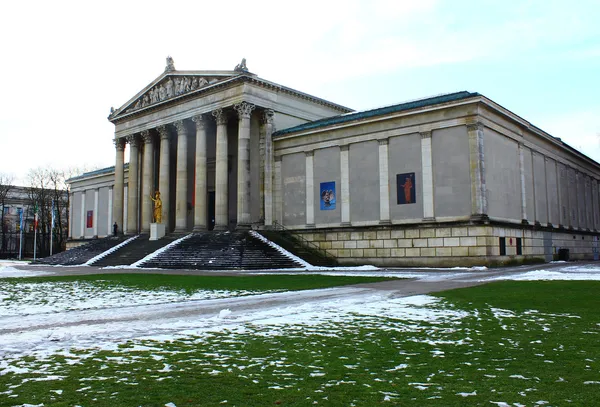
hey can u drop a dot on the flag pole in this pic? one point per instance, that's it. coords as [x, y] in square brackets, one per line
[52, 228]
[20, 234]
[35, 224]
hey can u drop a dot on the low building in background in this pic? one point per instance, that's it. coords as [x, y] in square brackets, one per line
[23, 202]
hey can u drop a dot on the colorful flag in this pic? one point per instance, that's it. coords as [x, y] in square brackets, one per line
[35, 217]
[52, 224]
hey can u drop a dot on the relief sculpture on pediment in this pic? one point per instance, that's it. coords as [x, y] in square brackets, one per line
[169, 88]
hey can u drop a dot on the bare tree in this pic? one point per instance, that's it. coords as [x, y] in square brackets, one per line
[6, 184]
[48, 192]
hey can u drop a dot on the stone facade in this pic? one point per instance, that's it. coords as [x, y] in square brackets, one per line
[450, 245]
[449, 180]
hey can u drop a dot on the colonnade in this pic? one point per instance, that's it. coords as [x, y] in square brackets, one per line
[142, 175]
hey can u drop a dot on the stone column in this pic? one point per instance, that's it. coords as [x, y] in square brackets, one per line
[268, 170]
[96, 217]
[119, 184]
[83, 223]
[200, 210]
[164, 186]
[221, 176]
[244, 111]
[384, 184]
[133, 186]
[427, 174]
[110, 213]
[310, 190]
[345, 183]
[523, 185]
[477, 165]
[148, 181]
[181, 190]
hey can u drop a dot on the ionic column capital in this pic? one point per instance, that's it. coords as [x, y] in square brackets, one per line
[345, 147]
[244, 109]
[383, 141]
[163, 132]
[220, 116]
[425, 134]
[133, 140]
[119, 144]
[310, 153]
[200, 121]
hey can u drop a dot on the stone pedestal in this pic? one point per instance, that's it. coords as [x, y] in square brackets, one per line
[157, 230]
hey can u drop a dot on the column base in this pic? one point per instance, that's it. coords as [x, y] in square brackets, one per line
[200, 228]
[220, 228]
[243, 226]
[385, 222]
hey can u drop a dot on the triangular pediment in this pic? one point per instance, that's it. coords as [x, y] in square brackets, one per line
[170, 86]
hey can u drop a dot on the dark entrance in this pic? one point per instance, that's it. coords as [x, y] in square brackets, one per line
[211, 210]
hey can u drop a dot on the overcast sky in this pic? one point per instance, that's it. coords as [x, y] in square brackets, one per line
[63, 63]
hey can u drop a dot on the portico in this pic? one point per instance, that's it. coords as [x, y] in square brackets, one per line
[204, 140]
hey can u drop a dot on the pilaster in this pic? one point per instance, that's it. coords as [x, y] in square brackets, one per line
[477, 169]
[523, 185]
[83, 223]
[268, 172]
[384, 184]
[310, 190]
[427, 175]
[96, 217]
[277, 198]
[345, 183]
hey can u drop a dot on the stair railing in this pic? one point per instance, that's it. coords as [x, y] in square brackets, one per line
[304, 242]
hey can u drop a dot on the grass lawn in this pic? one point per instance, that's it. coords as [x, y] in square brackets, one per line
[507, 343]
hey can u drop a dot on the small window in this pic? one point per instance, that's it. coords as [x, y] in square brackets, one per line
[519, 246]
[502, 246]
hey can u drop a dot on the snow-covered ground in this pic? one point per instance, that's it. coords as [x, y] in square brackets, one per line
[43, 319]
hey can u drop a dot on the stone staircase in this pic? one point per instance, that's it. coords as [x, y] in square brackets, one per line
[133, 251]
[302, 249]
[221, 251]
[81, 254]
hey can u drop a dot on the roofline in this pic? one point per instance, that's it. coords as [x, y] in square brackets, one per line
[95, 173]
[366, 114]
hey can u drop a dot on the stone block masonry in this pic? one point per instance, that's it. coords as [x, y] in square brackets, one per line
[449, 246]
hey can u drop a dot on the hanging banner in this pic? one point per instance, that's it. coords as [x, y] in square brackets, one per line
[406, 188]
[90, 219]
[327, 196]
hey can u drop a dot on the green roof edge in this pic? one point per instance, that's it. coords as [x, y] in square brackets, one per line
[348, 117]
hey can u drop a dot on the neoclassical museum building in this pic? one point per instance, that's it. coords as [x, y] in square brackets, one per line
[454, 179]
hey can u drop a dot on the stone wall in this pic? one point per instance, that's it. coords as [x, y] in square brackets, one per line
[447, 246]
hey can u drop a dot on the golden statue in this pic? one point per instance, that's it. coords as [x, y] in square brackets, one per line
[157, 214]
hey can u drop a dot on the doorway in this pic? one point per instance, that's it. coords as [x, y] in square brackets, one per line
[211, 210]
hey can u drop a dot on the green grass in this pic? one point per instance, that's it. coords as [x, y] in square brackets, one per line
[194, 283]
[515, 342]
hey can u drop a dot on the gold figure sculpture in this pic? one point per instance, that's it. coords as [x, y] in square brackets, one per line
[157, 214]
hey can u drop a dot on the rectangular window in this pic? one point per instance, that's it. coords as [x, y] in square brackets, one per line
[6, 210]
[519, 246]
[502, 246]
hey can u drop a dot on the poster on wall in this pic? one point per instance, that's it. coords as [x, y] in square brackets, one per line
[90, 219]
[406, 188]
[327, 195]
